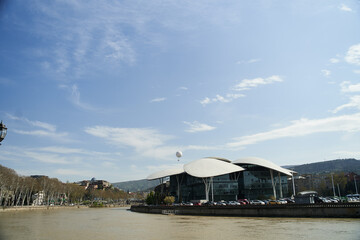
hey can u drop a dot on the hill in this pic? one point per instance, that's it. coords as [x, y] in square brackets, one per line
[136, 186]
[338, 165]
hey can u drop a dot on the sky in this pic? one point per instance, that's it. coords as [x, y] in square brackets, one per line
[113, 89]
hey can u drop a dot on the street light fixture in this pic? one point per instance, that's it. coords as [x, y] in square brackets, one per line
[3, 131]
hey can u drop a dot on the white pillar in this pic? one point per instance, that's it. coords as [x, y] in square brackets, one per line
[280, 186]
[212, 188]
[355, 185]
[207, 188]
[293, 182]
[178, 187]
[332, 180]
[272, 182]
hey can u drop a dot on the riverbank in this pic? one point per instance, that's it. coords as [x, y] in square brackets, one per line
[340, 210]
[44, 207]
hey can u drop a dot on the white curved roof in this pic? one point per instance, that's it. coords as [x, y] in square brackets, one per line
[262, 162]
[165, 173]
[210, 167]
[222, 159]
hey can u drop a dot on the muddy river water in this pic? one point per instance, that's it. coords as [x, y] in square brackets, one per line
[120, 223]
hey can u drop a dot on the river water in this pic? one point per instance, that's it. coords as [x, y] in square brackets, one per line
[119, 223]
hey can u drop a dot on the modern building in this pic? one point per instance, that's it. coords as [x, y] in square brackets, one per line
[215, 179]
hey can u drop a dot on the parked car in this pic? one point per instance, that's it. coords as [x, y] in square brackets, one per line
[273, 202]
[233, 203]
[282, 201]
[243, 201]
[257, 202]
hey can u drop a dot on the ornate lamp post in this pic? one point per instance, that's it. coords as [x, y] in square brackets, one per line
[3, 131]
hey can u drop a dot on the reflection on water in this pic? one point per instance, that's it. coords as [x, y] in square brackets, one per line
[118, 223]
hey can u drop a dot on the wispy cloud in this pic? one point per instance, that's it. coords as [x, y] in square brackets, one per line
[195, 126]
[326, 72]
[77, 172]
[353, 103]
[302, 127]
[347, 87]
[334, 60]
[74, 97]
[345, 8]
[353, 55]
[254, 60]
[183, 88]
[348, 154]
[138, 138]
[47, 158]
[218, 98]
[247, 84]
[158, 99]
[46, 129]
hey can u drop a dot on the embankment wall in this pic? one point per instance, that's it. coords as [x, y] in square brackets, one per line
[290, 210]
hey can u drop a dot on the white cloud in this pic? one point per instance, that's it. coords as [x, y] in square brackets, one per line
[47, 158]
[345, 8]
[354, 103]
[334, 60]
[346, 154]
[183, 88]
[348, 87]
[302, 127]
[139, 138]
[357, 71]
[218, 98]
[47, 129]
[195, 126]
[254, 60]
[74, 172]
[158, 99]
[353, 55]
[247, 84]
[44, 125]
[42, 133]
[326, 73]
[75, 97]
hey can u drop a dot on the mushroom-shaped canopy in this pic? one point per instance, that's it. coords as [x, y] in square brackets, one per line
[263, 163]
[210, 167]
[165, 173]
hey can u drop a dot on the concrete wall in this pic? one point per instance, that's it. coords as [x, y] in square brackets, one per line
[290, 210]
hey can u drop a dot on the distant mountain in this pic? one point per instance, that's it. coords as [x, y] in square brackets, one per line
[136, 186]
[338, 165]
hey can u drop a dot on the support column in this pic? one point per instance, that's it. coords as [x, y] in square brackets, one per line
[272, 182]
[293, 182]
[281, 193]
[355, 185]
[178, 187]
[207, 187]
[332, 180]
[212, 188]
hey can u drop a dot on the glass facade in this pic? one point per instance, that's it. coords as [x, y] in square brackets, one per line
[254, 183]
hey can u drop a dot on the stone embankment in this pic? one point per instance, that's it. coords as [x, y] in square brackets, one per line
[44, 207]
[340, 210]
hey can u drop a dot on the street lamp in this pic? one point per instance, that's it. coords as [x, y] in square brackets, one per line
[3, 131]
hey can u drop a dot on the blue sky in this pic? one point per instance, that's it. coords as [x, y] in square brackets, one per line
[113, 89]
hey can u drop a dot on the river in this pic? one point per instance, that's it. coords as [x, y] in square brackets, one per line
[119, 223]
